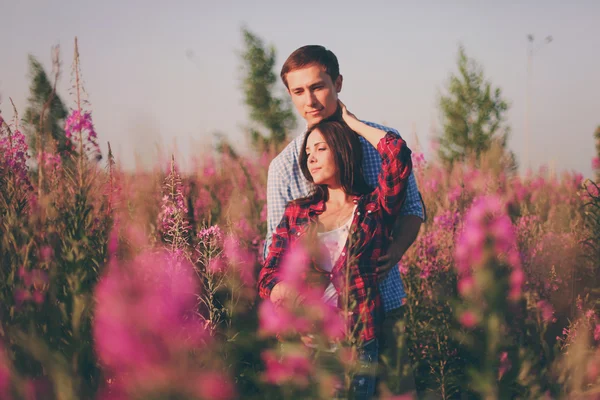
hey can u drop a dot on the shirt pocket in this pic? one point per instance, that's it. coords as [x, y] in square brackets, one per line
[297, 230]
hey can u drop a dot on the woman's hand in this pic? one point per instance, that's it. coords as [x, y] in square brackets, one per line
[371, 134]
[349, 118]
[284, 293]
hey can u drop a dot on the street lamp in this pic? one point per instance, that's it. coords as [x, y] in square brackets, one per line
[531, 50]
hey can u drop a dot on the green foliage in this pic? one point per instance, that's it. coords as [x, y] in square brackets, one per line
[43, 98]
[473, 113]
[270, 112]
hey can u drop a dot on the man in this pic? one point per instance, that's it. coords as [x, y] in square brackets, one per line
[311, 76]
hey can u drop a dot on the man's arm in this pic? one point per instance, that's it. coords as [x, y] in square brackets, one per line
[405, 232]
[412, 213]
[407, 225]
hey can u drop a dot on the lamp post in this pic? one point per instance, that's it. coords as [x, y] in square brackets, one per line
[531, 50]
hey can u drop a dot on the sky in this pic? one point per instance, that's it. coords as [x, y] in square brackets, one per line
[166, 75]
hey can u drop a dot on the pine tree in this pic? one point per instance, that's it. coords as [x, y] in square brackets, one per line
[473, 113]
[272, 113]
[43, 98]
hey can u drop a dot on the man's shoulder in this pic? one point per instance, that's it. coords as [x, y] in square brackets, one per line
[382, 127]
[286, 157]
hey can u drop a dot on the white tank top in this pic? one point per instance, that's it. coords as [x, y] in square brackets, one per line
[333, 242]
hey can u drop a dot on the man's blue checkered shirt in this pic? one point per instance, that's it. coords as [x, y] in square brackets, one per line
[286, 183]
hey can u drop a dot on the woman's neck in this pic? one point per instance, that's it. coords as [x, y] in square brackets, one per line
[338, 197]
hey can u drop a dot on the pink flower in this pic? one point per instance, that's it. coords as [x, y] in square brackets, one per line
[14, 156]
[596, 163]
[517, 277]
[145, 315]
[468, 319]
[38, 297]
[46, 253]
[217, 265]
[294, 368]
[210, 234]
[454, 195]
[597, 333]
[81, 124]
[240, 259]
[486, 222]
[21, 296]
[465, 286]
[214, 386]
[505, 364]
[294, 266]
[273, 320]
[546, 309]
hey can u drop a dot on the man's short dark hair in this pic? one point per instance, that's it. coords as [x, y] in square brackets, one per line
[311, 55]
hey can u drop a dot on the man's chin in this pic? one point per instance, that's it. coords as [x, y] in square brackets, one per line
[314, 119]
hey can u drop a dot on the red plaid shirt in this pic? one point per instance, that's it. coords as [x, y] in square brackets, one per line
[368, 239]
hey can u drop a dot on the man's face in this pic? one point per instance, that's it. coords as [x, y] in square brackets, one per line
[313, 93]
[320, 161]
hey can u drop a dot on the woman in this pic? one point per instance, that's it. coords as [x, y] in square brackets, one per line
[342, 203]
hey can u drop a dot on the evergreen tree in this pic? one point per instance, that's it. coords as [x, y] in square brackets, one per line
[272, 113]
[473, 113]
[43, 97]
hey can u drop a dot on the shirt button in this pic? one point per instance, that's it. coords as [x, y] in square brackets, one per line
[297, 233]
[343, 253]
[369, 212]
[358, 213]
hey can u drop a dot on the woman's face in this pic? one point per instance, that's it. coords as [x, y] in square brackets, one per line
[320, 161]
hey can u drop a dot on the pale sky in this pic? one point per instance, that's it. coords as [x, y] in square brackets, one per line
[395, 56]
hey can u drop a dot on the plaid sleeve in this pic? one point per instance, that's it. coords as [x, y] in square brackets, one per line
[268, 276]
[412, 205]
[396, 168]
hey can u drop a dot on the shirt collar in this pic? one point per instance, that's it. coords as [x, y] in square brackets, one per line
[319, 206]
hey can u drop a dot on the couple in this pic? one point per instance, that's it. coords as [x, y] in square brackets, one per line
[343, 175]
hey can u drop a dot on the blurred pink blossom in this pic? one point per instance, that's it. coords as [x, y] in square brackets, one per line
[468, 319]
[145, 315]
[240, 259]
[214, 386]
[46, 253]
[487, 222]
[505, 364]
[274, 320]
[294, 368]
[546, 309]
[465, 286]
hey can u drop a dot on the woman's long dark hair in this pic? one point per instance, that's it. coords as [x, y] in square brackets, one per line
[347, 155]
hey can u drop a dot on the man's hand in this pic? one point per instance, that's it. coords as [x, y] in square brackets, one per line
[385, 264]
[405, 232]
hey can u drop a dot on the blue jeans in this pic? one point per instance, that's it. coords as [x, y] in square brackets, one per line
[363, 383]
